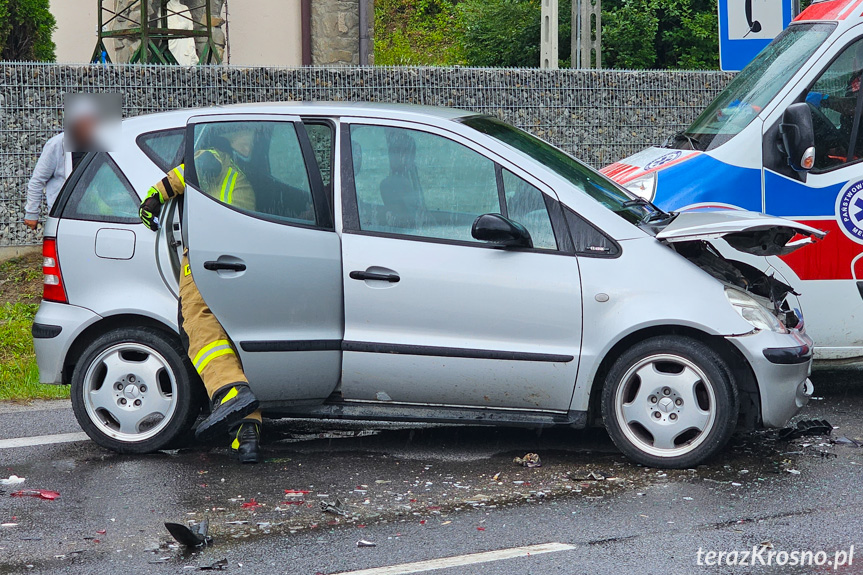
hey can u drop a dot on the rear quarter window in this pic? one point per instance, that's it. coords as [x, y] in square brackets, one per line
[102, 194]
[164, 147]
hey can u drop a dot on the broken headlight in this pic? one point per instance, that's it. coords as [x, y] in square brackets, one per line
[643, 186]
[753, 312]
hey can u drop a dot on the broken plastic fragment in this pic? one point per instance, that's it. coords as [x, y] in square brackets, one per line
[39, 493]
[219, 565]
[251, 504]
[529, 460]
[364, 543]
[335, 508]
[12, 480]
[196, 537]
[806, 428]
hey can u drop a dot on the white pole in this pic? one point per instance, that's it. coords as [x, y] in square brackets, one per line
[548, 35]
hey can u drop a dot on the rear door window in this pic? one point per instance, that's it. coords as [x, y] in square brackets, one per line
[102, 194]
[164, 147]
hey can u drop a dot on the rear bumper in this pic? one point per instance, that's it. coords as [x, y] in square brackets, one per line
[781, 364]
[63, 323]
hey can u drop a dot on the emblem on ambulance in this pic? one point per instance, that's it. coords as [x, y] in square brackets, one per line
[663, 159]
[849, 210]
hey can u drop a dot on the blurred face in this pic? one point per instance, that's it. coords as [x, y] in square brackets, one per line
[84, 132]
[242, 141]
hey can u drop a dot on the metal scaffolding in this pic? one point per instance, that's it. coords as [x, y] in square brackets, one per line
[152, 32]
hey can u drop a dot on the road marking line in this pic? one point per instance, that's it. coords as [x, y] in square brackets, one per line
[461, 560]
[43, 440]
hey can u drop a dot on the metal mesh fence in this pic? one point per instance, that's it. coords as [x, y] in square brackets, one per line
[599, 116]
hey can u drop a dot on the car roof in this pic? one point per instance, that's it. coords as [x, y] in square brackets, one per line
[846, 12]
[164, 120]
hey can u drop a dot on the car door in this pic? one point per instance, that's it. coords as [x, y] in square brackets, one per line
[829, 198]
[271, 272]
[433, 316]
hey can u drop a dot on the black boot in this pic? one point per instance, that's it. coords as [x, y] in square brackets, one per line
[247, 439]
[230, 407]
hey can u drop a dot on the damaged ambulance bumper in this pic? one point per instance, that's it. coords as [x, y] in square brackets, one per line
[782, 363]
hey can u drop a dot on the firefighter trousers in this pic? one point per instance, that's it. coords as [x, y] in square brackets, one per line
[212, 353]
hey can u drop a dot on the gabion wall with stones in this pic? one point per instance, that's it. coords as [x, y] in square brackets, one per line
[599, 116]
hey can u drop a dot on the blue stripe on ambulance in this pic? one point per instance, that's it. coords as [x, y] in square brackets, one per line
[704, 179]
[787, 197]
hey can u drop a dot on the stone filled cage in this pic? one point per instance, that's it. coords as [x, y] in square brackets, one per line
[600, 116]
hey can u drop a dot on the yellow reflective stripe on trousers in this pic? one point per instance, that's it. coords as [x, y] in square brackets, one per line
[218, 352]
[205, 351]
[225, 185]
[231, 188]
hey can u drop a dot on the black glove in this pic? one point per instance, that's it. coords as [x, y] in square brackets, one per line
[149, 211]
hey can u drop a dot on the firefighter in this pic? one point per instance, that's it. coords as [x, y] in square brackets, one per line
[234, 406]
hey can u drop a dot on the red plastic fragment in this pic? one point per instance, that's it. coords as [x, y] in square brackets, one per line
[251, 504]
[296, 492]
[102, 531]
[480, 528]
[40, 493]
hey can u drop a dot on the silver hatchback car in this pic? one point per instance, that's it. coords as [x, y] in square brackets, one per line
[416, 264]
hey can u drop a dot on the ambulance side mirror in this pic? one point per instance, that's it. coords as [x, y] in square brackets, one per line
[798, 137]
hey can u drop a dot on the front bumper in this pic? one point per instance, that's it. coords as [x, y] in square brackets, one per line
[56, 327]
[781, 364]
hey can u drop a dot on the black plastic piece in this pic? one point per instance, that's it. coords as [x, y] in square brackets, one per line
[188, 537]
[806, 428]
[45, 331]
[788, 355]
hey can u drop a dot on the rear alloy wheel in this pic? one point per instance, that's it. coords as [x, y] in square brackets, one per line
[131, 391]
[669, 402]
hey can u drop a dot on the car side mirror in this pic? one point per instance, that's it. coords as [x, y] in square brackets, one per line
[499, 230]
[798, 137]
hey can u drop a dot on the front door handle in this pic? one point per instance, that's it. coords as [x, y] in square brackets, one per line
[231, 266]
[358, 275]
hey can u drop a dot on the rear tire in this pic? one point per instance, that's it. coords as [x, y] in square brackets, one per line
[670, 402]
[133, 390]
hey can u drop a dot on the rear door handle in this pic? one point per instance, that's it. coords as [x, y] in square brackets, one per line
[217, 265]
[358, 275]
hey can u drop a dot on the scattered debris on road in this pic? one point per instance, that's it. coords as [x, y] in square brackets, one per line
[38, 493]
[846, 441]
[529, 460]
[219, 565]
[12, 480]
[364, 543]
[336, 508]
[806, 428]
[188, 537]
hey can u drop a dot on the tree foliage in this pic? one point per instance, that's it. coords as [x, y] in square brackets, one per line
[417, 32]
[26, 27]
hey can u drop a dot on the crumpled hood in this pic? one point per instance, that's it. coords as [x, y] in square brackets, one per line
[748, 232]
[644, 162]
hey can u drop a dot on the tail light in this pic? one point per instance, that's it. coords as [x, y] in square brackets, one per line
[52, 289]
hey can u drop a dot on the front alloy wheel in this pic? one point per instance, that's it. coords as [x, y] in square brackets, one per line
[669, 402]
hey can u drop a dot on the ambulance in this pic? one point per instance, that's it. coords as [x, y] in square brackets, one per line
[784, 138]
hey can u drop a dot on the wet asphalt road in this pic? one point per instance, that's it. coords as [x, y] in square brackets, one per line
[422, 493]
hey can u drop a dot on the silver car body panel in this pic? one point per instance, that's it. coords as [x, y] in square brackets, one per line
[537, 310]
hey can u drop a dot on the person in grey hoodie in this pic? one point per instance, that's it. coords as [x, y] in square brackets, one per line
[47, 179]
[50, 172]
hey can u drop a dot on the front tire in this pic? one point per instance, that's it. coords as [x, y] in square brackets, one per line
[670, 402]
[132, 391]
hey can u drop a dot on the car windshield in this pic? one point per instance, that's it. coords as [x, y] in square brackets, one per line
[628, 206]
[753, 88]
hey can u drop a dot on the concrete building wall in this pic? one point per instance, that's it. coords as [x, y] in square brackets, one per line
[261, 32]
[265, 32]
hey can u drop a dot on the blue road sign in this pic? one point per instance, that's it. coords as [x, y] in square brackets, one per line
[747, 26]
